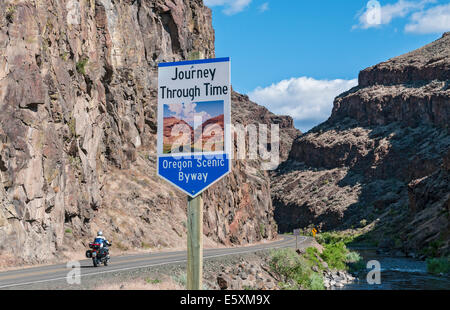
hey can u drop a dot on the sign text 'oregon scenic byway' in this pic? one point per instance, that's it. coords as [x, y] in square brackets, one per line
[194, 136]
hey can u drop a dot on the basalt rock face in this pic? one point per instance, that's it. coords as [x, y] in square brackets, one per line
[78, 83]
[425, 64]
[411, 89]
[238, 209]
[378, 160]
[429, 202]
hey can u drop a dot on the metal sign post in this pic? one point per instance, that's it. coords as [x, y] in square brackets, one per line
[194, 139]
[296, 234]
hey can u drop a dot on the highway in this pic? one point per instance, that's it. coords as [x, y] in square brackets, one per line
[44, 274]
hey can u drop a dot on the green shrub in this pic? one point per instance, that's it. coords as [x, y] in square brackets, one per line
[285, 262]
[152, 281]
[81, 65]
[194, 55]
[438, 265]
[312, 255]
[298, 269]
[73, 126]
[368, 239]
[353, 257]
[10, 11]
[433, 248]
[65, 56]
[335, 254]
[334, 237]
[398, 243]
[357, 267]
[262, 229]
[316, 282]
[292, 267]
[355, 262]
[145, 245]
[181, 279]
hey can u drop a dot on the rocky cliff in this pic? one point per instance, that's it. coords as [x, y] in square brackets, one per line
[239, 208]
[378, 161]
[77, 130]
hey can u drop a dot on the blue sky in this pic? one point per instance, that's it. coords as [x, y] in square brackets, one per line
[295, 56]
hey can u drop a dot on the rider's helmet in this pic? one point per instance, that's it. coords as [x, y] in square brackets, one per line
[100, 233]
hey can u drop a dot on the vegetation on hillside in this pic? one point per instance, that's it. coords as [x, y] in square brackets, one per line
[305, 270]
[439, 266]
[295, 270]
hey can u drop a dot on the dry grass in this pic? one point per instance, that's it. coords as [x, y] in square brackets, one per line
[6, 261]
[74, 255]
[143, 284]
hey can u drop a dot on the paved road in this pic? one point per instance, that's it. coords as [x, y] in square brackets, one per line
[36, 275]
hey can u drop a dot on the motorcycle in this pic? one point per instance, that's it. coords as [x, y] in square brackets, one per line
[98, 253]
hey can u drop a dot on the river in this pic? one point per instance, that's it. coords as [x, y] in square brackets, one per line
[399, 273]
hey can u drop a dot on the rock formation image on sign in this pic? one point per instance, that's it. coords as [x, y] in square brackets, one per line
[193, 127]
[380, 162]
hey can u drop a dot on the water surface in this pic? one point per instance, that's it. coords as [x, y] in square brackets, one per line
[399, 273]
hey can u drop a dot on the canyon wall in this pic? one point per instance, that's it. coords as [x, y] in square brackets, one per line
[78, 86]
[378, 161]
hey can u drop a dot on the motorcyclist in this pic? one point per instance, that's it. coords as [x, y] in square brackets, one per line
[104, 244]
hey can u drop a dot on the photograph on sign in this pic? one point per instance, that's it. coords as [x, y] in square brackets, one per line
[194, 121]
[194, 139]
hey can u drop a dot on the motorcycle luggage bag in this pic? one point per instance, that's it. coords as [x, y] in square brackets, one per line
[89, 253]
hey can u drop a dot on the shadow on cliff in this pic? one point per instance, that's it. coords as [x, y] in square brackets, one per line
[397, 155]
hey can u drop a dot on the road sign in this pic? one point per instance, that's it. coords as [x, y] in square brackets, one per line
[194, 135]
[296, 233]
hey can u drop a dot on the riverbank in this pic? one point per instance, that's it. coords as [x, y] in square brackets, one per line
[326, 264]
[397, 273]
[398, 270]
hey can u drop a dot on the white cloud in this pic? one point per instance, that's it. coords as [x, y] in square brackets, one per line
[307, 100]
[187, 112]
[400, 9]
[231, 6]
[264, 7]
[435, 19]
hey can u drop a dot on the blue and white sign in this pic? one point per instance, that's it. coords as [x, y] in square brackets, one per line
[194, 123]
